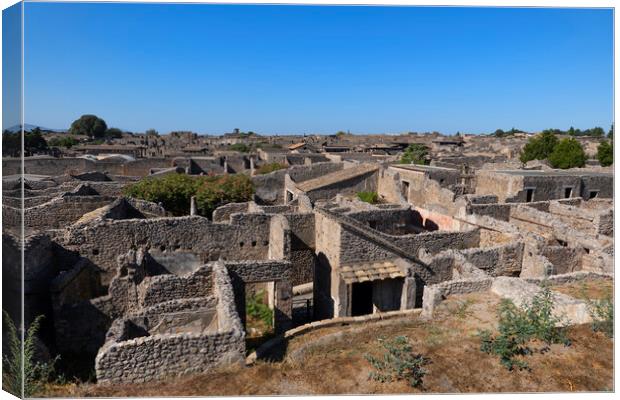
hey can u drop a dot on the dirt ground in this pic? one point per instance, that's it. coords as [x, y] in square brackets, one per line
[331, 361]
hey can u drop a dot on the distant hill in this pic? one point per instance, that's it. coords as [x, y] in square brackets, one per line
[29, 127]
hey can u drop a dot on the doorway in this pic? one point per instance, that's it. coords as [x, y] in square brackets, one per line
[361, 298]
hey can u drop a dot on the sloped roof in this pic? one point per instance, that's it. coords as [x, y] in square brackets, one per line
[371, 271]
[337, 176]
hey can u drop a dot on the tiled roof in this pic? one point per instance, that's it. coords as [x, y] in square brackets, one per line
[370, 271]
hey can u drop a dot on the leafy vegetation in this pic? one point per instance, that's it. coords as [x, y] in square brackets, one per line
[519, 327]
[567, 154]
[89, 125]
[241, 147]
[64, 141]
[151, 132]
[368, 197]
[539, 147]
[174, 191]
[399, 362]
[19, 365]
[267, 168]
[605, 153]
[501, 133]
[113, 133]
[215, 191]
[415, 153]
[602, 313]
[597, 131]
[256, 309]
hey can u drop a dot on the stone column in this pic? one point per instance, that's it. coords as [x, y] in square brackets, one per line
[252, 166]
[192, 206]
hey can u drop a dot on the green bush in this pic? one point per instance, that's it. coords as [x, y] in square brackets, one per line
[257, 309]
[518, 327]
[602, 313]
[368, 197]
[398, 363]
[605, 154]
[215, 191]
[174, 191]
[241, 147]
[267, 168]
[65, 141]
[539, 147]
[19, 365]
[415, 153]
[567, 154]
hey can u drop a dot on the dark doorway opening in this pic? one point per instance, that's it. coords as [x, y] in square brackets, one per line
[529, 195]
[568, 192]
[361, 298]
[593, 194]
[405, 190]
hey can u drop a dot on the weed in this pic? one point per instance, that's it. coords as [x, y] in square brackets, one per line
[368, 197]
[602, 313]
[462, 310]
[399, 362]
[19, 365]
[257, 309]
[518, 327]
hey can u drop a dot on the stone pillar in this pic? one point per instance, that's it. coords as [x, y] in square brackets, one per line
[283, 310]
[192, 206]
[252, 166]
[225, 165]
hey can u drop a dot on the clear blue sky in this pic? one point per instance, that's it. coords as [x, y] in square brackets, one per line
[314, 69]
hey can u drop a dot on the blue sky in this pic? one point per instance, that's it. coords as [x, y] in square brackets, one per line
[314, 69]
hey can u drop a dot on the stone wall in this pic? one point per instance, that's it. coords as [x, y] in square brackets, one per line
[167, 355]
[63, 211]
[245, 238]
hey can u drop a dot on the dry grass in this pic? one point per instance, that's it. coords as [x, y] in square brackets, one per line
[595, 289]
[338, 367]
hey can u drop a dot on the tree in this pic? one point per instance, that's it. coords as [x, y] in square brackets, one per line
[597, 132]
[66, 141]
[415, 153]
[610, 134]
[174, 191]
[571, 131]
[539, 147]
[114, 133]
[567, 154]
[11, 143]
[605, 154]
[499, 133]
[151, 132]
[89, 125]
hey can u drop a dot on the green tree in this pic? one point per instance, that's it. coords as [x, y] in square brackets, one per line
[571, 131]
[605, 154]
[610, 134]
[114, 133]
[215, 191]
[539, 147]
[415, 153]
[241, 147]
[89, 125]
[568, 153]
[597, 132]
[151, 132]
[11, 143]
[65, 141]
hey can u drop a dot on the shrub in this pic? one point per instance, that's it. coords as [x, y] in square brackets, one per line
[241, 147]
[567, 154]
[34, 374]
[215, 191]
[368, 197]
[415, 153]
[267, 168]
[89, 125]
[174, 191]
[518, 327]
[66, 141]
[605, 154]
[398, 363]
[539, 147]
[257, 309]
[602, 313]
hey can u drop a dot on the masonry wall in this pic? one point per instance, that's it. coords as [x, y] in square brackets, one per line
[364, 183]
[246, 238]
[63, 211]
